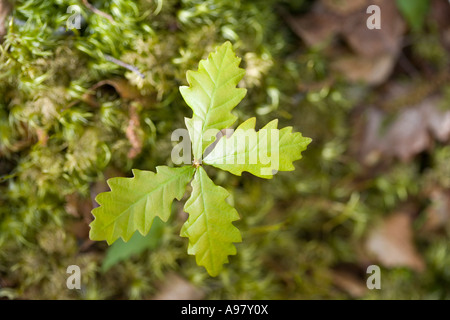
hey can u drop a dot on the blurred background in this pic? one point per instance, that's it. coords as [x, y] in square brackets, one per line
[373, 188]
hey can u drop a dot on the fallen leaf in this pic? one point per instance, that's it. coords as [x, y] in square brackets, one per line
[345, 7]
[439, 13]
[392, 243]
[77, 206]
[439, 123]
[316, 27]
[124, 88]
[411, 131]
[79, 229]
[372, 71]
[134, 132]
[407, 136]
[375, 42]
[370, 55]
[5, 9]
[438, 212]
[175, 287]
[366, 136]
[349, 283]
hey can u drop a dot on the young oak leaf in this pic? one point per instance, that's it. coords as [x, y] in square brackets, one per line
[212, 95]
[209, 226]
[261, 153]
[133, 203]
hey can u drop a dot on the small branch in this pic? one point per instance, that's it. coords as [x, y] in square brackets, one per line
[100, 13]
[8, 176]
[125, 65]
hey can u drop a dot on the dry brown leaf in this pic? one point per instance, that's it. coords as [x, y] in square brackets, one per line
[371, 54]
[329, 18]
[410, 133]
[127, 92]
[440, 13]
[407, 136]
[391, 243]
[439, 123]
[345, 7]
[121, 86]
[438, 213]
[315, 28]
[318, 27]
[5, 9]
[78, 206]
[373, 71]
[134, 132]
[376, 42]
[79, 229]
[446, 38]
[349, 283]
[366, 136]
[175, 287]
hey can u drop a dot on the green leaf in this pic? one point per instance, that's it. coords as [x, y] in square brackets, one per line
[209, 226]
[212, 95]
[133, 203]
[261, 153]
[414, 12]
[120, 251]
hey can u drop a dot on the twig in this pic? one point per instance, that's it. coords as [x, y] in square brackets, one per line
[125, 65]
[8, 176]
[99, 12]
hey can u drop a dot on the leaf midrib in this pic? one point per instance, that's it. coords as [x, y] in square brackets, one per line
[141, 198]
[245, 152]
[207, 111]
[206, 219]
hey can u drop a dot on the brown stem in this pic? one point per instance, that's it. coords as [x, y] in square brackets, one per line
[124, 65]
[100, 13]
